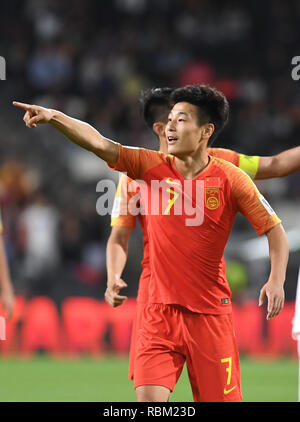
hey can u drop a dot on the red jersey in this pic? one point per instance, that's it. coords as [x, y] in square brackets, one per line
[121, 218]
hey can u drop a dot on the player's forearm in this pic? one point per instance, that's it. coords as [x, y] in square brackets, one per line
[279, 165]
[116, 254]
[116, 258]
[79, 132]
[288, 161]
[279, 254]
[85, 136]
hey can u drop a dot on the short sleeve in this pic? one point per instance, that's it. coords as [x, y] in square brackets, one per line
[251, 203]
[248, 163]
[120, 216]
[137, 161]
[226, 154]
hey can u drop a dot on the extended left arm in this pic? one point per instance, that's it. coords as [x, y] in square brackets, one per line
[273, 289]
[79, 132]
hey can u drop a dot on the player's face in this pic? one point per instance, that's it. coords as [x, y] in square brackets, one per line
[183, 132]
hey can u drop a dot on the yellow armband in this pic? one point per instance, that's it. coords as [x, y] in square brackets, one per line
[249, 163]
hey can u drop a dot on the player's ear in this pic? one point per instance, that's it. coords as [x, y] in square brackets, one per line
[159, 128]
[209, 129]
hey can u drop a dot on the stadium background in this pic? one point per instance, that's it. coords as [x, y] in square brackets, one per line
[91, 59]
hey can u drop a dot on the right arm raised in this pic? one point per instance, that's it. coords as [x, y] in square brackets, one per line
[79, 132]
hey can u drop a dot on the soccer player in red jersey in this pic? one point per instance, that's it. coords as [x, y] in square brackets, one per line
[188, 315]
[155, 107]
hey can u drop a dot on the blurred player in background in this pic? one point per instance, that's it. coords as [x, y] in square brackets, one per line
[6, 289]
[188, 315]
[155, 109]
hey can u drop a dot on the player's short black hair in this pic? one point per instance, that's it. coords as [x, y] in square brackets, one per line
[155, 104]
[212, 104]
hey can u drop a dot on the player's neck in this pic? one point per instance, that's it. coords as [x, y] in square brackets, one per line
[191, 166]
[163, 147]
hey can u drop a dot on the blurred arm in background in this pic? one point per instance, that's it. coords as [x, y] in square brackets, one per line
[279, 165]
[6, 289]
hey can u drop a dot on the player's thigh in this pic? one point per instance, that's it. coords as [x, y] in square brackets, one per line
[213, 359]
[152, 393]
[137, 323]
[158, 357]
[157, 365]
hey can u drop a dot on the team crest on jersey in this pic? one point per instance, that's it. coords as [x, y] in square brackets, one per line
[212, 198]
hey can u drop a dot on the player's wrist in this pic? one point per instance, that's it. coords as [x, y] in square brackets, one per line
[111, 280]
[54, 115]
[276, 281]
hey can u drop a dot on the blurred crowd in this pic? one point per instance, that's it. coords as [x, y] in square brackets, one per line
[91, 60]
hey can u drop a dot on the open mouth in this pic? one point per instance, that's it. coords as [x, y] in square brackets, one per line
[172, 140]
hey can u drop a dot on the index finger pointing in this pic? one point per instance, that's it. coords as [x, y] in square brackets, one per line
[21, 105]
